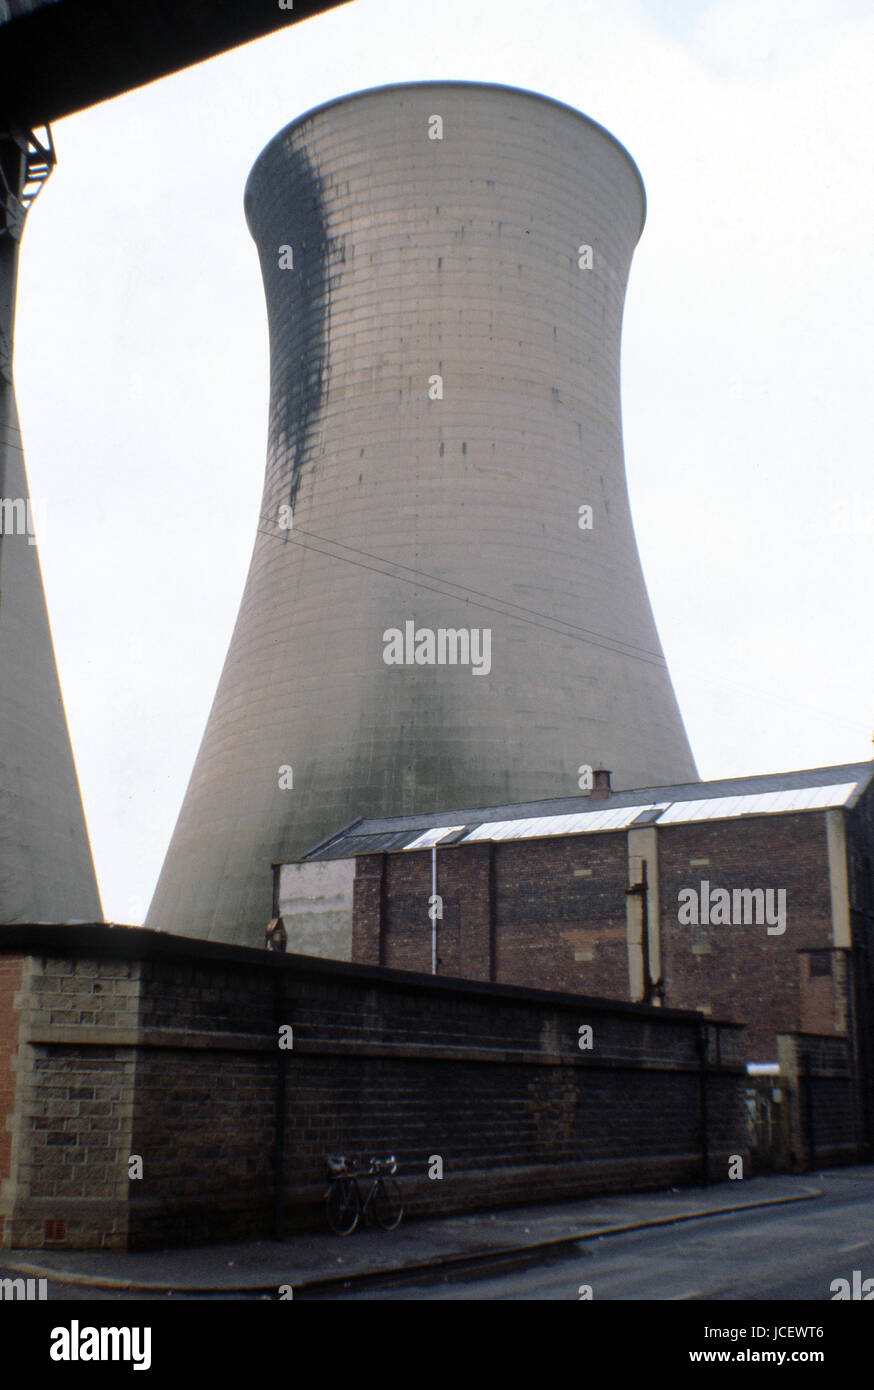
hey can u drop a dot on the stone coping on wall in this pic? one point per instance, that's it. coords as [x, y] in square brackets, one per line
[106, 940]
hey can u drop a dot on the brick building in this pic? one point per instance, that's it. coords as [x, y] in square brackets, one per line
[749, 898]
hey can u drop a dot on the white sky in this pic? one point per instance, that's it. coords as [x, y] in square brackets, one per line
[142, 368]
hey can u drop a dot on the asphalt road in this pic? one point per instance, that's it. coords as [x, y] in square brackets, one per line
[790, 1252]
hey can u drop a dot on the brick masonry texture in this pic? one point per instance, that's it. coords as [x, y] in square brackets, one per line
[73, 1099]
[742, 972]
[551, 914]
[414, 257]
[137, 1044]
[10, 983]
[825, 1102]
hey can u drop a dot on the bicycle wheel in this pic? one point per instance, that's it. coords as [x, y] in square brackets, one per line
[343, 1206]
[387, 1206]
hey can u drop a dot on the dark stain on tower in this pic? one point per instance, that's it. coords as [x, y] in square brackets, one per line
[292, 216]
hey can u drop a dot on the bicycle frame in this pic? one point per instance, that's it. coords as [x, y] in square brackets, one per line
[379, 1170]
[356, 1175]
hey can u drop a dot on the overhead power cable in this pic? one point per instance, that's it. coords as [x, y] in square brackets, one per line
[467, 595]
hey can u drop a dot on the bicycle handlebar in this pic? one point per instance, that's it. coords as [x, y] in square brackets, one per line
[337, 1164]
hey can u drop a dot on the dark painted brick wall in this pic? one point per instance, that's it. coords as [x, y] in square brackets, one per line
[10, 982]
[139, 1044]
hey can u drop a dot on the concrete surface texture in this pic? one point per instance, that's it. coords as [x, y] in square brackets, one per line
[444, 402]
[316, 906]
[46, 869]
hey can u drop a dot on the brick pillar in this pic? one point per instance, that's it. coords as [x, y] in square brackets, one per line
[10, 984]
[367, 909]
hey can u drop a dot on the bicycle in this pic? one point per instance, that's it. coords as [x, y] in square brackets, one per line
[343, 1202]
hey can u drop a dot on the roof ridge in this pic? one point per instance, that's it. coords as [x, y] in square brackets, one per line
[855, 776]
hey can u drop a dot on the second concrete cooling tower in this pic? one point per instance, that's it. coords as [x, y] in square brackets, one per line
[445, 605]
[46, 869]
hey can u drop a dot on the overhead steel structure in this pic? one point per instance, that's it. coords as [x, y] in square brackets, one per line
[56, 57]
[445, 604]
[59, 56]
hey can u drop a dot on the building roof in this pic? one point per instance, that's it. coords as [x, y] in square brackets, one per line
[810, 789]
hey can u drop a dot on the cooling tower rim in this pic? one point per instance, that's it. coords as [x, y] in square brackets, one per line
[434, 84]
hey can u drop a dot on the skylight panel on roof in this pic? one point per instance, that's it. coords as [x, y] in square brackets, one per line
[486, 831]
[577, 823]
[433, 837]
[758, 803]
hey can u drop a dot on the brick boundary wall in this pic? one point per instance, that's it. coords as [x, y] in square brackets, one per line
[10, 984]
[825, 1103]
[134, 1043]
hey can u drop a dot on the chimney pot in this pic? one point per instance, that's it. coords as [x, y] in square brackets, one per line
[602, 785]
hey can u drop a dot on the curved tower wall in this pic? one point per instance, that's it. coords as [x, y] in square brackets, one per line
[414, 257]
[46, 869]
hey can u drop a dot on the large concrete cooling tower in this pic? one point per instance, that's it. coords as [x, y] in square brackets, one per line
[46, 870]
[445, 268]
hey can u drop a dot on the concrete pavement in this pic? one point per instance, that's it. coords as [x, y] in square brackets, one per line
[315, 1262]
